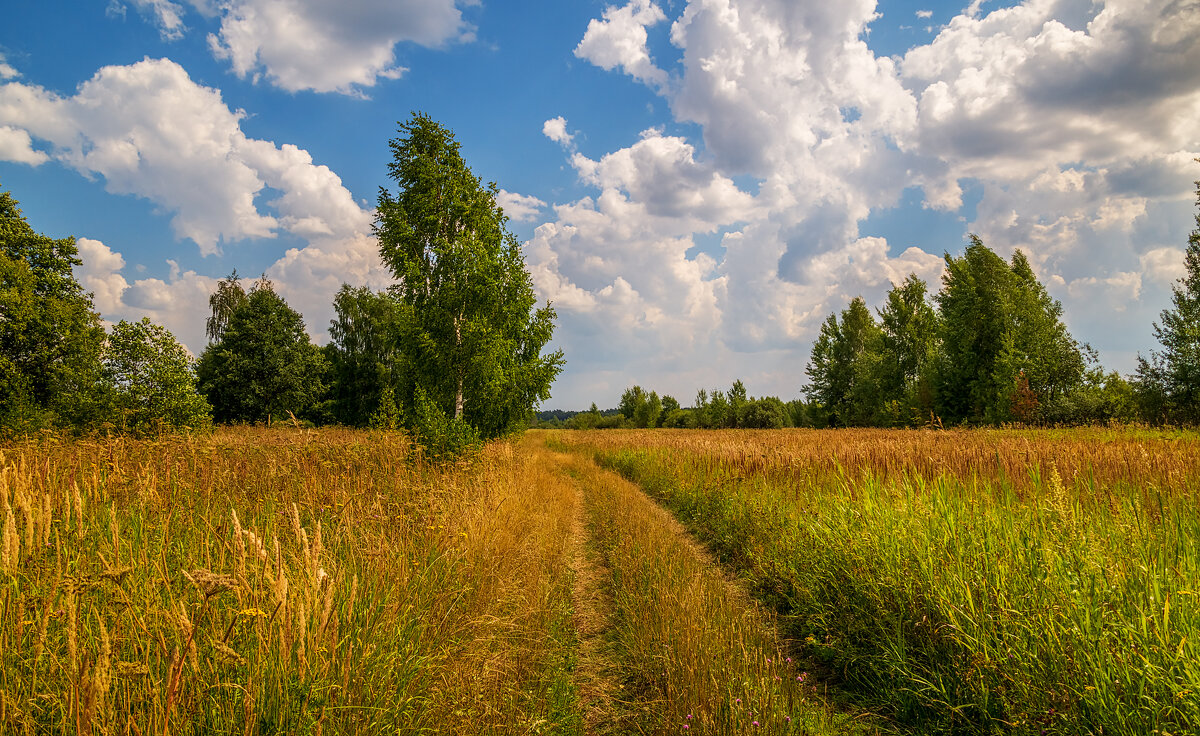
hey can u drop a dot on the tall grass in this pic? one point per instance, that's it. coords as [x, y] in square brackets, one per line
[268, 581]
[692, 653]
[996, 597]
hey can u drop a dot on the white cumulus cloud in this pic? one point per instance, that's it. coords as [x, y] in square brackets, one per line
[327, 47]
[1076, 122]
[556, 130]
[519, 207]
[148, 130]
[619, 39]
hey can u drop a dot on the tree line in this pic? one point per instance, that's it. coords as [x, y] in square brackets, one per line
[452, 352]
[989, 348]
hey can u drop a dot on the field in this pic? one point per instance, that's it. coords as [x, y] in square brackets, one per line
[257, 581]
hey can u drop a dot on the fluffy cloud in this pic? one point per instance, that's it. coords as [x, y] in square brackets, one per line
[327, 47]
[17, 146]
[519, 207]
[1076, 119]
[7, 71]
[556, 130]
[619, 39]
[148, 130]
[167, 15]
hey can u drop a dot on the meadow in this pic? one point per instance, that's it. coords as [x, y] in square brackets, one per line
[284, 580]
[985, 581]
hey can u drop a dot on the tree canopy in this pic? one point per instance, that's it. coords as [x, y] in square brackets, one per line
[470, 335]
[151, 379]
[50, 336]
[264, 365]
[1169, 380]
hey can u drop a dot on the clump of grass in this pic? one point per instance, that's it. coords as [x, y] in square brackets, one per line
[958, 602]
[275, 581]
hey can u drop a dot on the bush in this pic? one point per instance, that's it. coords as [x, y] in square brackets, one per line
[441, 437]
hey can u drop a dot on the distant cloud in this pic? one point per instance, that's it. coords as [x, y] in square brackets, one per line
[556, 130]
[17, 146]
[519, 207]
[7, 71]
[924, 13]
[148, 130]
[327, 47]
[619, 39]
[1079, 130]
[167, 15]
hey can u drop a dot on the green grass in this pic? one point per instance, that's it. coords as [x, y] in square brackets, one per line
[952, 605]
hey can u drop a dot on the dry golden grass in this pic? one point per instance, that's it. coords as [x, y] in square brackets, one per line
[263, 581]
[1088, 460]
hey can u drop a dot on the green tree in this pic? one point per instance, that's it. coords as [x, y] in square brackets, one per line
[264, 365]
[907, 351]
[1003, 343]
[639, 407]
[470, 334]
[737, 404]
[1169, 382]
[223, 302]
[50, 337]
[841, 364]
[669, 404]
[768, 412]
[363, 354]
[151, 379]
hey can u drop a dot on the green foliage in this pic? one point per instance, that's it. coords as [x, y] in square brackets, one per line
[768, 412]
[149, 375]
[841, 365]
[908, 348]
[1102, 398]
[224, 302]
[441, 437]
[264, 365]
[387, 415]
[640, 408]
[50, 338]
[669, 404]
[363, 353]
[1002, 337]
[1169, 381]
[469, 332]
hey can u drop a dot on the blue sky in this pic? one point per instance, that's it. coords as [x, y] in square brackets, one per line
[698, 182]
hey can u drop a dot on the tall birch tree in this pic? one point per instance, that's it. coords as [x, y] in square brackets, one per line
[471, 334]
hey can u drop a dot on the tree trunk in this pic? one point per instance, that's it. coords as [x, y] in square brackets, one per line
[458, 400]
[458, 397]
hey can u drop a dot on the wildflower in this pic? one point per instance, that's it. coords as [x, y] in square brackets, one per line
[755, 724]
[686, 727]
[689, 716]
[738, 701]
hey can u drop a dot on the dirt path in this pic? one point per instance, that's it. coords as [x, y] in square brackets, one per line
[595, 674]
[668, 642]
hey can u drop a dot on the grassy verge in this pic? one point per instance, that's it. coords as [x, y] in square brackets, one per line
[266, 581]
[960, 604]
[691, 652]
